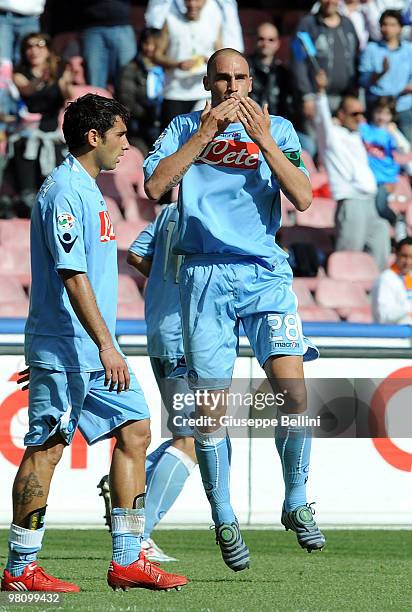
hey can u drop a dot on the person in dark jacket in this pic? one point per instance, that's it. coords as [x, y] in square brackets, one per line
[270, 77]
[336, 48]
[140, 90]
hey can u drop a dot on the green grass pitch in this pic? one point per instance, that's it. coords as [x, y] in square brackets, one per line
[358, 570]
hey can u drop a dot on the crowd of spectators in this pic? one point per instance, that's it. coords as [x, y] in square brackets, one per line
[343, 77]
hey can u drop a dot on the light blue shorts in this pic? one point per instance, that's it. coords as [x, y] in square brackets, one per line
[217, 296]
[61, 401]
[171, 379]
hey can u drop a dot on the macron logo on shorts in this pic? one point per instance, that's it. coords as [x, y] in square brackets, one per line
[231, 154]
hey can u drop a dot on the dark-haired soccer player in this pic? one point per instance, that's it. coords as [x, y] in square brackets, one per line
[76, 366]
[231, 160]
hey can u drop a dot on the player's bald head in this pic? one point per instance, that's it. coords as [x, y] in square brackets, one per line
[227, 54]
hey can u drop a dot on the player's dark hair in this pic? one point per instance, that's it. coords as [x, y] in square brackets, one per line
[342, 104]
[90, 112]
[405, 241]
[391, 13]
[225, 51]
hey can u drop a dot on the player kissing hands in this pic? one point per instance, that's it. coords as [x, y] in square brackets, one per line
[255, 120]
[214, 121]
[116, 370]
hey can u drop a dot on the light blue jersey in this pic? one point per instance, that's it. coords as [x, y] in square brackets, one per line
[162, 301]
[229, 200]
[70, 230]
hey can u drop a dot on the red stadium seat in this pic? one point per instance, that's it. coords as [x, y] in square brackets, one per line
[127, 232]
[15, 233]
[130, 301]
[320, 214]
[15, 263]
[360, 315]
[354, 266]
[343, 296]
[14, 309]
[303, 293]
[114, 211]
[128, 291]
[13, 299]
[315, 313]
[318, 178]
[401, 198]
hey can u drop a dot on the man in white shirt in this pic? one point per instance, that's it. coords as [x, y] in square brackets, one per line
[352, 183]
[183, 48]
[392, 291]
[17, 18]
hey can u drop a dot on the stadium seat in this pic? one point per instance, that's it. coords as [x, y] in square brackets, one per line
[82, 90]
[360, 315]
[318, 178]
[15, 233]
[14, 309]
[122, 191]
[354, 266]
[321, 238]
[114, 211]
[303, 293]
[128, 270]
[128, 291]
[401, 197]
[315, 313]
[130, 301]
[320, 214]
[343, 296]
[15, 263]
[13, 299]
[127, 232]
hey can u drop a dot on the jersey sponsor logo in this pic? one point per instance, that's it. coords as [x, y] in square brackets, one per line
[230, 154]
[65, 221]
[106, 227]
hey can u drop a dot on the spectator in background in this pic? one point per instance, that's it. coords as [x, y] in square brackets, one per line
[17, 19]
[270, 77]
[337, 47]
[223, 10]
[141, 91]
[392, 291]
[351, 181]
[108, 39]
[43, 87]
[386, 69]
[185, 44]
[381, 138]
[365, 18]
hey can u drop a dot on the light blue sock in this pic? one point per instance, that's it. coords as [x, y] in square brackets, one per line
[293, 445]
[127, 534]
[154, 458]
[214, 455]
[24, 544]
[164, 484]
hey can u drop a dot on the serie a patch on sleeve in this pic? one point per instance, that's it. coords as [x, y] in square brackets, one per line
[295, 157]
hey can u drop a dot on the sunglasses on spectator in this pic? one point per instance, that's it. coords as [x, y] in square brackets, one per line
[356, 114]
[261, 38]
[38, 43]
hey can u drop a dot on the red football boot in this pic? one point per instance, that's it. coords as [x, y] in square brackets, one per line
[34, 578]
[143, 574]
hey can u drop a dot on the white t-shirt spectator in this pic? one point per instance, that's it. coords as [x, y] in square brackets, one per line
[23, 7]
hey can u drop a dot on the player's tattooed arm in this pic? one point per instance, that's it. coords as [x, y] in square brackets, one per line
[171, 169]
[178, 177]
